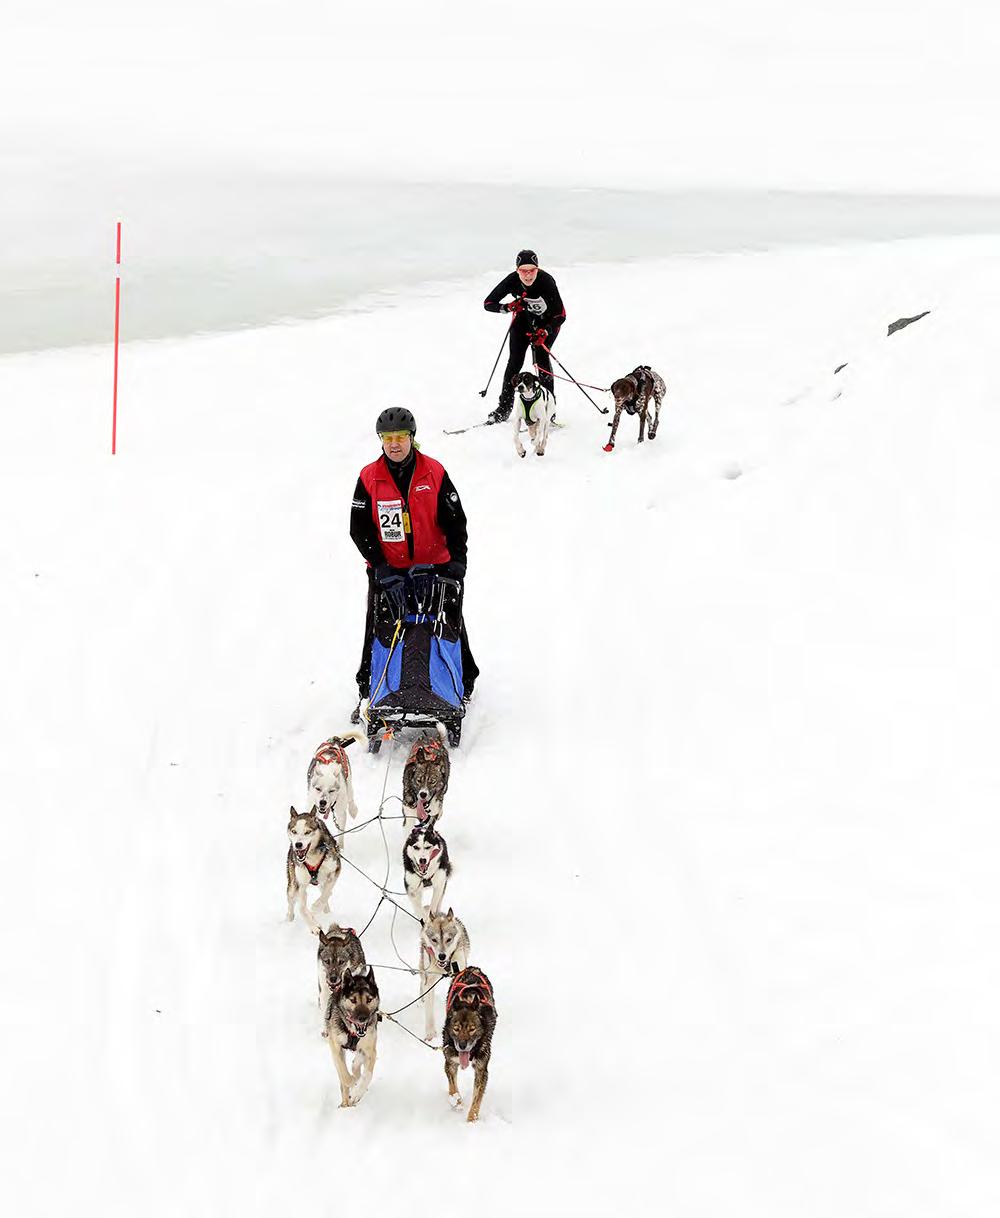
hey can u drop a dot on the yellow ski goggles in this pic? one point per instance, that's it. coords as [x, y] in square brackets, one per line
[393, 437]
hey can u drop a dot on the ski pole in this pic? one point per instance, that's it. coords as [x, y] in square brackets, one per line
[600, 409]
[483, 392]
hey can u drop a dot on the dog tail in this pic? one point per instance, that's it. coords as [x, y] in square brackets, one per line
[442, 731]
[347, 740]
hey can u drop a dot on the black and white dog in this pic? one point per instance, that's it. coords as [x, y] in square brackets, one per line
[425, 865]
[534, 407]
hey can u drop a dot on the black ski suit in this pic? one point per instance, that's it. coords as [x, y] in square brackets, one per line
[543, 309]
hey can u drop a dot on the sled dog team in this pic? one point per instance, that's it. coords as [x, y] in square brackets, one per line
[348, 992]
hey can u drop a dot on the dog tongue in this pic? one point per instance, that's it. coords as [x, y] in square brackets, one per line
[421, 810]
[463, 1060]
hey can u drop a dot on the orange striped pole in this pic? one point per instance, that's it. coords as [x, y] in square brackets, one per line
[118, 297]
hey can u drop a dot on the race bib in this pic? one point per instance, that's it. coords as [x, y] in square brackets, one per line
[535, 304]
[390, 519]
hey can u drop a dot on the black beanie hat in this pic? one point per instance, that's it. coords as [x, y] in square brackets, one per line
[527, 258]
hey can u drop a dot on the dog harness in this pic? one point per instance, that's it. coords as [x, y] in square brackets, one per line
[431, 750]
[314, 871]
[332, 751]
[642, 379]
[526, 406]
[472, 980]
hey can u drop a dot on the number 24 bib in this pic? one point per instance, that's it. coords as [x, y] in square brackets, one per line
[390, 519]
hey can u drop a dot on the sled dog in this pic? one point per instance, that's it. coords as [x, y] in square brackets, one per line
[329, 779]
[339, 950]
[425, 865]
[313, 858]
[470, 1019]
[444, 949]
[534, 409]
[425, 780]
[633, 394]
[352, 1026]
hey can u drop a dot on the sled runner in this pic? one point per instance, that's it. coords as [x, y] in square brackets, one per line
[416, 658]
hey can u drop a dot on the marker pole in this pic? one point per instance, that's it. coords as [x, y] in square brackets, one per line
[118, 296]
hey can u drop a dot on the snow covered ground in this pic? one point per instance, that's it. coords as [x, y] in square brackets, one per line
[723, 818]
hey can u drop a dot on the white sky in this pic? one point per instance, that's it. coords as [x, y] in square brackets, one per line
[898, 95]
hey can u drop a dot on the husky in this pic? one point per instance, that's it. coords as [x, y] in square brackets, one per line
[329, 779]
[534, 408]
[352, 1026]
[313, 858]
[425, 780]
[633, 394]
[444, 949]
[425, 865]
[339, 949]
[470, 1018]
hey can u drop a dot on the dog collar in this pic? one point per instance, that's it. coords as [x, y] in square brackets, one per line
[314, 871]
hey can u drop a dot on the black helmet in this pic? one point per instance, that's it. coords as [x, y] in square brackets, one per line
[396, 418]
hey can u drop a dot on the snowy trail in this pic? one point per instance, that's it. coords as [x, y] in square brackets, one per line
[722, 816]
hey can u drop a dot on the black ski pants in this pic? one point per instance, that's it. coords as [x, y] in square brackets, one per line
[470, 669]
[518, 347]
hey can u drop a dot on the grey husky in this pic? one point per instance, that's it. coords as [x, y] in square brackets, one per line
[339, 949]
[444, 949]
[352, 1026]
[425, 780]
[425, 865]
[313, 859]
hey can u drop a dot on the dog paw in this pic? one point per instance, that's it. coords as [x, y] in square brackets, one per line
[455, 1100]
[473, 1116]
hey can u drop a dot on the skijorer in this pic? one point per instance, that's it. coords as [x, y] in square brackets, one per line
[538, 313]
[406, 512]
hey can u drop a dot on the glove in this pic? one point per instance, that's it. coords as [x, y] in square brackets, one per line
[513, 306]
[539, 337]
[387, 576]
[420, 569]
[453, 570]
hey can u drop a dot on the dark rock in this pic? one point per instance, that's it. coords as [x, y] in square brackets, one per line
[906, 321]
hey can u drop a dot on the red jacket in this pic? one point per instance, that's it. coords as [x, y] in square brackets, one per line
[397, 517]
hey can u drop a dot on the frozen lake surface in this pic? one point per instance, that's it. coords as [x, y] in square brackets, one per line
[207, 250]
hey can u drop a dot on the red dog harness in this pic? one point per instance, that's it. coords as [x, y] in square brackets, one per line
[470, 980]
[331, 751]
[431, 749]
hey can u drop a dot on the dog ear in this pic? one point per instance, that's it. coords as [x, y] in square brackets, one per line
[312, 811]
[451, 912]
[345, 976]
[371, 973]
[292, 812]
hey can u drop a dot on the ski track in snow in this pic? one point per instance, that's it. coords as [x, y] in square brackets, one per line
[721, 819]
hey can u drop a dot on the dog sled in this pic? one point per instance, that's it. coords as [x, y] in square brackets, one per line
[416, 658]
